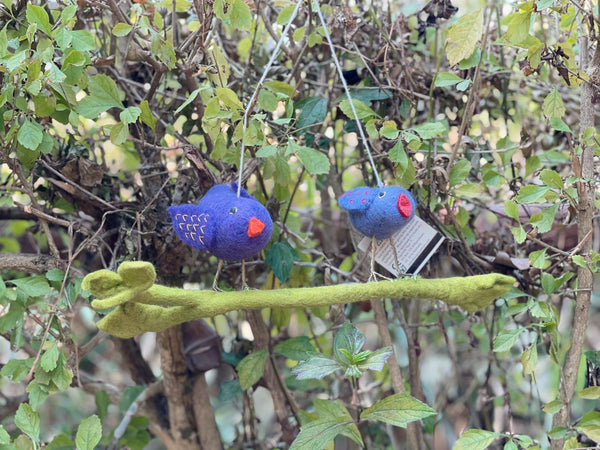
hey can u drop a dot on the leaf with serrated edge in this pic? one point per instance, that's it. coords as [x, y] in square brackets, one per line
[463, 36]
[506, 339]
[590, 425]
[89, 433]
[251, 368]
[296, 348]
[316, 366]
[398, 410]
[553, 106]
[474, 439]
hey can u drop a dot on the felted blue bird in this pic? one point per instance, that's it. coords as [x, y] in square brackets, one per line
[378, 212]
[232, 228]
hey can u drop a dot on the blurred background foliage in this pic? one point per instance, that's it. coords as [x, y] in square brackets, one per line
[113, 110]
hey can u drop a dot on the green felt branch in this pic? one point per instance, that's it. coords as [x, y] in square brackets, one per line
[141, 306]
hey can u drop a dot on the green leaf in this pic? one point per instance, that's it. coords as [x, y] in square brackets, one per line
[590, 393]
[579, 260]
[552, 178]
[529, 359]
[15, 61]
[590, 425]
[398, 155]
[459, 172]
[333, 419]
[229, 98]
[314, 110]
[162, 50]
[55, 275]
[559, 125]
[474, 439]
[511, 209]
[285, 15]
[68, 13]
[531, 193]
[463, 85]
[102, 402]
[430, 130]
[463, 36]
[61, 442]
[553, 106]
[12, 319]
[130, 115]
[376, 360]
[350, 339]
[16, 369]
[146, 115]
[506, 339]
[280, 258]
[552, 407]
[316, 366]
[551, 284]
[267, 100]
[89, 433]
[241, 17]
[296, 348]
[39, 16]
[35, 286]
[314, 161]
[468, 190]
[251, 368]
[444, 79]
[544, 220]
[362, 110]
[4, 436]
[119, 133]
[398, 410]
[121, 29]
[50, 358]
[129, 396]
[518, 27]
[267, 151]
[30, 134]
[318, 434]
[104, 94]
[28, 421]
[389, 130]
[37, 394]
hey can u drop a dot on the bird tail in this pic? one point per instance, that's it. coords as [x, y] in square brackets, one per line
[190, 225]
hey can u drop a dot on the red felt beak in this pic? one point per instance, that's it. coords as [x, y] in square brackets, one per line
[404, 206]
[255, 227]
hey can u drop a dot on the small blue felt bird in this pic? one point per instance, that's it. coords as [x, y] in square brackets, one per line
[378, 212]
[230, 227]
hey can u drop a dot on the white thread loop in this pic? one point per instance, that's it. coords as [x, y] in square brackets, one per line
[317, 7]
[257, 90]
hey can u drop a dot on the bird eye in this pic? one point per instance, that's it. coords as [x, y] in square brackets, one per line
[233, 210]
[382, 194]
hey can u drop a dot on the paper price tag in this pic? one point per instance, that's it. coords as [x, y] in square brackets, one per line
[415, 243]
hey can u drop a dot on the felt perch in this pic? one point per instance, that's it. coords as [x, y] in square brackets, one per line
[141, 306]
[230, 227]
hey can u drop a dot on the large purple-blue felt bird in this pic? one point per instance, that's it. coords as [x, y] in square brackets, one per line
[378, 212]
[232, 228]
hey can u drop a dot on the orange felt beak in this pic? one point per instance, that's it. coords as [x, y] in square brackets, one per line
[255, 227]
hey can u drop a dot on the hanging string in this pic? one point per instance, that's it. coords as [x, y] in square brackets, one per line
[250, 106]
[341, 75]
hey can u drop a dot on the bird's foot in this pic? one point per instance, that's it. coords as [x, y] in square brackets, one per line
[374, 276]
